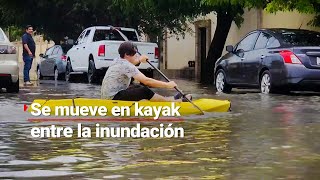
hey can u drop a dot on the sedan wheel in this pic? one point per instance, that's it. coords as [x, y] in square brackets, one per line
[56, 74]
[68, 71]
[265, 83]
[221, 84]
[39, 74]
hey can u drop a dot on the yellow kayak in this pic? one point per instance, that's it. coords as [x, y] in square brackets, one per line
[61, 107]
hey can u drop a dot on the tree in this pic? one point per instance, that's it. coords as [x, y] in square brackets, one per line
[173, 15]
[155, 17]
[302, 6]
[227, 11]
[59, 18]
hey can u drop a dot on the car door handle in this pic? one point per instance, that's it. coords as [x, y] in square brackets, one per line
[263, 56]
[83, 47]
[242, 59]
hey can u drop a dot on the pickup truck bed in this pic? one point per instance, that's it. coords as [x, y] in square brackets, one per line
[97, 47]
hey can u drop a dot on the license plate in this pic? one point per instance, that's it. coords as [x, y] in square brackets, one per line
[318, 60]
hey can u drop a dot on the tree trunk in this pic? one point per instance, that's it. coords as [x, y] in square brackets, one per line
[224, 21]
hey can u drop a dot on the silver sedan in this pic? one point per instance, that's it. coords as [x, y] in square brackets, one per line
[53, 63]
[9, 68]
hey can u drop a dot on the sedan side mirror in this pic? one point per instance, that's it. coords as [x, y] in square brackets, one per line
[229, 48]
[240, 53]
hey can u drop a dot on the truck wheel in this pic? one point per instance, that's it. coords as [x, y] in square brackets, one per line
[14, 88]
[92, 73]
[68, 71]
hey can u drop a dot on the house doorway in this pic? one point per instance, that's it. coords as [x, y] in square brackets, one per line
[203, 52]
[203, 39]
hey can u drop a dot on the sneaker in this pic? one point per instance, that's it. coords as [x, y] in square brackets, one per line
[28, 83]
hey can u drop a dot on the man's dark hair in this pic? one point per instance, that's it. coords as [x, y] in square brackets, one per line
[28, 26]
[127, 48]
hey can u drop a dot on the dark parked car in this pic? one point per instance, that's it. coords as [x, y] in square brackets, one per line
[53, 62]
[275, 60]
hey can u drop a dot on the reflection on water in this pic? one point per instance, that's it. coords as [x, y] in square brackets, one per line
[202, 153]
[265, 137]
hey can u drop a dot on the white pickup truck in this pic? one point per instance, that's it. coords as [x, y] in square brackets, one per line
[97, 47]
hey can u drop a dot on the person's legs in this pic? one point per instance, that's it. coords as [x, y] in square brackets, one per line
[26, 60]
[134, 93]
[158, 97]
[140, 92]
[27, 66]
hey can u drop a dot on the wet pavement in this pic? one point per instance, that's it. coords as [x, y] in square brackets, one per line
[264, 137]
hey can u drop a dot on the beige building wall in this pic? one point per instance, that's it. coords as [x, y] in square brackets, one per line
[179, 51]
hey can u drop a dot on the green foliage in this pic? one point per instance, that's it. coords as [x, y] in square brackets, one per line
[302, 6]
[155, 16]
[14, 32]
[59, 18]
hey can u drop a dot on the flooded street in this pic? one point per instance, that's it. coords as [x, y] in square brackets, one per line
[264, 137]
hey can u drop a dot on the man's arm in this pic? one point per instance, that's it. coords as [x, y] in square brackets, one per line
[152, 82]
[27, 48]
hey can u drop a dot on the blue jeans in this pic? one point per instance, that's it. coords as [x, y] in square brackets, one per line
[27, 66]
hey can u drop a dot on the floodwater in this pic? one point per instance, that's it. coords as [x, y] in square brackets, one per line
[264, 137]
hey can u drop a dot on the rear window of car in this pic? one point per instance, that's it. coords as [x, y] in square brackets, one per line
[131, 35]
[104, 34]
[301, 38]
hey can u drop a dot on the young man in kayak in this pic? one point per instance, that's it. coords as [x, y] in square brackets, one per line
[116, 82]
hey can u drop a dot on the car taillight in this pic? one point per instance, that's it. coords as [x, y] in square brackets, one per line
[8, 50]
[156, 53]
[289, 57]
[102, 50]
[63, 57]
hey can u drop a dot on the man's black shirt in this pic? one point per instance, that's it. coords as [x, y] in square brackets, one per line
[27, 39]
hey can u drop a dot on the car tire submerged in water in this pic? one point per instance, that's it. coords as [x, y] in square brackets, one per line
[67, 74]
[40, 77]
[58, 75]
[265, 83]
[14, 88]
[92, 73]
[220, 82]
[266, 86]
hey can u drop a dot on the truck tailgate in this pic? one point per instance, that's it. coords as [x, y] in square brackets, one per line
[148, 49]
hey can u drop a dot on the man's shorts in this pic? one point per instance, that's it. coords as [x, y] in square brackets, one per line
[134, 93]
